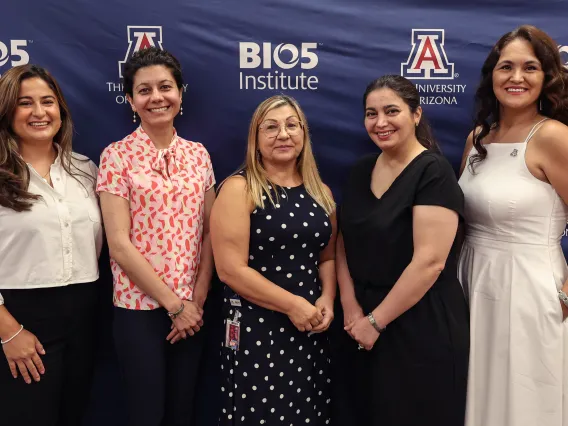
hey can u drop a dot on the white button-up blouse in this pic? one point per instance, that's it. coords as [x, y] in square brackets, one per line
[58, 241]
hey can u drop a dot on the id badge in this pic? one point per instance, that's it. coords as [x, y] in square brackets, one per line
[233, 335]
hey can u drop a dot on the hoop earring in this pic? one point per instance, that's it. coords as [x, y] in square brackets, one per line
[181, 110]
[134, 117]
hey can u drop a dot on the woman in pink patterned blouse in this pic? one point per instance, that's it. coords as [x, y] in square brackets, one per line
[156, 193]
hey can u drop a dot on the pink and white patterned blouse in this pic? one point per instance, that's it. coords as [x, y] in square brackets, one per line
[166, 190]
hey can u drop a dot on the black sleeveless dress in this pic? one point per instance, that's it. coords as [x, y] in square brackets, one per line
[416, 373]
[279, 375]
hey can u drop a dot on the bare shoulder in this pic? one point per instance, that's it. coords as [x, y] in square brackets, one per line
[468, 147]
[235, 184]
[327, 190]
[551, 128]
[233, 194]
[471, 137]
[469, 140]
[552, 138]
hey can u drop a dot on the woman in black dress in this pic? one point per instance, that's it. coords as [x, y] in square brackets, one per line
[273, 235]
[396, 266]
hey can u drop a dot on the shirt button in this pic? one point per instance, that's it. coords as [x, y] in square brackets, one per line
[66, 224]
[67, 251]
[60, 200]
[57, 179]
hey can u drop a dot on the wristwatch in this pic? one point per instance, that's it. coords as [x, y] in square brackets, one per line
[377, 327]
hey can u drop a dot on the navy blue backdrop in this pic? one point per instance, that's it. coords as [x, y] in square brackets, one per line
[235, 54]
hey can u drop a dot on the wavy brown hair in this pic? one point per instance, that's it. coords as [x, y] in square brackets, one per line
[14, 173]
[553, 97]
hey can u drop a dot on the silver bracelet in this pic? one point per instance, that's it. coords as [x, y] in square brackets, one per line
[563, 297]
[14, 336]
[376, 326]
[173, 315]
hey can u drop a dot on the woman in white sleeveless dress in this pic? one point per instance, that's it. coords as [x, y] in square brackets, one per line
[515, 181]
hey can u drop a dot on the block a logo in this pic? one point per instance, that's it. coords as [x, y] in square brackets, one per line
[564, 55]
[427, 59]
[140, 38]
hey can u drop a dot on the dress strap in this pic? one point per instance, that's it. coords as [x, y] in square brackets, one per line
[535, 129]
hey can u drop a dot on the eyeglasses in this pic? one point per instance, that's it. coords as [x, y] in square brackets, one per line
[272, 128]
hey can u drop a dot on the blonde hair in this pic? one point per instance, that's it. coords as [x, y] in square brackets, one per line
[256, 176]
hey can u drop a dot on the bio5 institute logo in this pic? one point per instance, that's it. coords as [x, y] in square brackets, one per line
[14, 52]
[428, 61]
[139, 37]
[265, 66]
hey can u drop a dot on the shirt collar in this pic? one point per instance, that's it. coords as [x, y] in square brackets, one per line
[161, 158]
[142, 136]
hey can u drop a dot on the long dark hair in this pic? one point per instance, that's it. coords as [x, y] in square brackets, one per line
[553, 98]
[14, 173]
[408, 93]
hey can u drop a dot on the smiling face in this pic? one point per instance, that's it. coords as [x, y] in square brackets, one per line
[518, 76]
[388, 119]
[156, 97]
[280, 135]
[37, 117]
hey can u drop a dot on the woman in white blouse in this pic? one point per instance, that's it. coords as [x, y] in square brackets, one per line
[51, 235]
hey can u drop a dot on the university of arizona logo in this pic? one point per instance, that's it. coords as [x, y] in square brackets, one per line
[427, 59]
[140, 38]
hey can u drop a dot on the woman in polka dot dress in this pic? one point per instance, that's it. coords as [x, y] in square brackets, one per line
[273, 235]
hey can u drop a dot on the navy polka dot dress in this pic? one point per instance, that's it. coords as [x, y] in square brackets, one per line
[279, 375]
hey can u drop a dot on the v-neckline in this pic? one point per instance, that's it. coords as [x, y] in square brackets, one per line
[396, 179]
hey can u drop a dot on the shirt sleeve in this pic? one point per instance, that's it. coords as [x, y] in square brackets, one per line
[112, 177]
[94, 169]
[209, 174]
[438, 186]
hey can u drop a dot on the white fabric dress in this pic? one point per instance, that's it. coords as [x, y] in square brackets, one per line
[511, 268]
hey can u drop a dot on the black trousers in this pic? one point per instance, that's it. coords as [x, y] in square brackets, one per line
[160, 378]
[63, 319]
